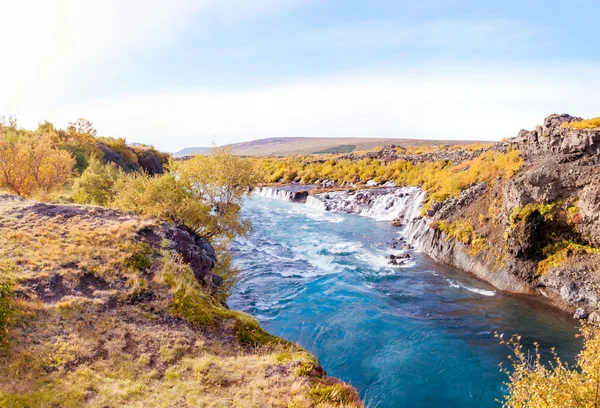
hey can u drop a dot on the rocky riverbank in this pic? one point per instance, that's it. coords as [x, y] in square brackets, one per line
[537, 232]
[540, 229]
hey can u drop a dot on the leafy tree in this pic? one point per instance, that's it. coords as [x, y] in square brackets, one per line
[204, 194]
[534, 384]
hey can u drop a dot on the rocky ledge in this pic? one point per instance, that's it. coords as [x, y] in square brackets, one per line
[539, 231]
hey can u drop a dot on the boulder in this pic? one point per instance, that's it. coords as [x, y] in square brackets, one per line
[580, 313]
[594, 317]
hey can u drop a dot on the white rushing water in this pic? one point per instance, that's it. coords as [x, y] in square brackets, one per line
[403, 203]
[295, 193]
[275, 193]
[313, 202]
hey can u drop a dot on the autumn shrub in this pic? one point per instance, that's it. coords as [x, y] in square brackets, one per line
[535, 383]
[95, 186]
[558, 254]
[522, 214]
[593, 123]
[440, 179]
[32, 163]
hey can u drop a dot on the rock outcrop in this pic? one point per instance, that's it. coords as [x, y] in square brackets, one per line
[541, 227]
[146, 159]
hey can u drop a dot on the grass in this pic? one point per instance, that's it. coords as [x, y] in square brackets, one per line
[114, 321]
[337, 149]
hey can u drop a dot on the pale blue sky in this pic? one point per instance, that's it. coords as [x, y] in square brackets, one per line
[185, 73]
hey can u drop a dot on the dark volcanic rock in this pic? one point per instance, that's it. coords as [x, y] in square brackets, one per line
[561, 167]
[110, 156]
[149, 162]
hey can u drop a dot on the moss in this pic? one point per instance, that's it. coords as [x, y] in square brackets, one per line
[198, 310]
[308, 366]
[249, 332]
[140, 260]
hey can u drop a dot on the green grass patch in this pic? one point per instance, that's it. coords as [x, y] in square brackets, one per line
[330, 394]
[337, 149]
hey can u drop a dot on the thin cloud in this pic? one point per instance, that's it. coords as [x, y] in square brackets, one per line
[449, 35]
[52, 46]
[451, 102]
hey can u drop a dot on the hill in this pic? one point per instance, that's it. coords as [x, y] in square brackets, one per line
[101, 308]
[191, 151]
[285, 146]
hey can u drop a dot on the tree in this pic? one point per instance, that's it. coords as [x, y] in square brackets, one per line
[30, 163]
[204, 193]
[533, 383]
[222, 179]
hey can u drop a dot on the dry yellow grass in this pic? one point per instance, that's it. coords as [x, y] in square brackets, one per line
[100, 318]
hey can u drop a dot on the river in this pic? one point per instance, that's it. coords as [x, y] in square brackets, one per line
[419, 335]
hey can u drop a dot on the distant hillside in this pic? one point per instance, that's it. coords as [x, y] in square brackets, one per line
[284, 146]
[191, 151]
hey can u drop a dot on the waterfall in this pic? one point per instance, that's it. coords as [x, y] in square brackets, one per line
[275, 193]
[386, 204]
[287, 193]
[313, 202]
[404, 204]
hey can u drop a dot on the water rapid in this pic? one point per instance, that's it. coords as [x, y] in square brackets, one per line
[414, 335]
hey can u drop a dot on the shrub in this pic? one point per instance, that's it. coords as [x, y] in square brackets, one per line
[534, 383]
[558, 254]
[462, 230]
[31, 163]
[522, 213]
[593, 123]
[95, 186]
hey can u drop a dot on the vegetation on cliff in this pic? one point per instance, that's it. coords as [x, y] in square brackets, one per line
[592, 123]
[44, 161]
[125, 306]
[440, 179]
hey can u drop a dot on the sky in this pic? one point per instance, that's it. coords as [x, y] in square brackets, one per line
[182, 73]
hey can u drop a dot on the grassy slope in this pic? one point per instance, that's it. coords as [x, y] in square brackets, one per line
[97, 317]
[309, 145]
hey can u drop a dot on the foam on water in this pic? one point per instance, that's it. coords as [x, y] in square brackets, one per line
[454, 284]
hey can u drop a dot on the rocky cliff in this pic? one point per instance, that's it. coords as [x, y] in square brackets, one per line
[539, 231]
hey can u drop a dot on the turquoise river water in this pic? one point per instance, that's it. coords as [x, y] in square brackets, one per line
[421, 335]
